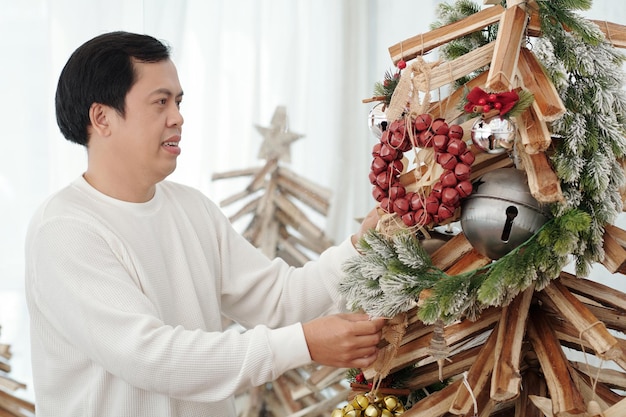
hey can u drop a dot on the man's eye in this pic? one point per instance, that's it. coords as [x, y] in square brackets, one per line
[163, 101]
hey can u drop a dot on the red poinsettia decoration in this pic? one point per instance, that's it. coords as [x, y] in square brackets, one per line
[480, 101]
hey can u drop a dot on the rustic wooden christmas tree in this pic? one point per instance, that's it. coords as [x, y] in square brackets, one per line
[477, 334]
[11, 405]
[277, 200]
[280, 203]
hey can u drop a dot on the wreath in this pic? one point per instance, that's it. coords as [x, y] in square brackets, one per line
[441, 150]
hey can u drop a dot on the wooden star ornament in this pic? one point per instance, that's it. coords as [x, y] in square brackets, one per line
[277, 137]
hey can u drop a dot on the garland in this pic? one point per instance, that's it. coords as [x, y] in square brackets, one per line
[392, 271]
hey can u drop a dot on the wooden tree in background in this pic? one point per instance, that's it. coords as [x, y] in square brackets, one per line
[10, 404]
[278, 200]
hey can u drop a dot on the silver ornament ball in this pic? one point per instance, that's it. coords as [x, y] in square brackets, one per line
[494, 135]
[377, 120]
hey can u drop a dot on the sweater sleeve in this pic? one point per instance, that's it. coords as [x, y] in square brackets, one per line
[89, 312]
[256, 290]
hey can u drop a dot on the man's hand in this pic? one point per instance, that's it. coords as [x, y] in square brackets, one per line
[369, 222]
[344, 340]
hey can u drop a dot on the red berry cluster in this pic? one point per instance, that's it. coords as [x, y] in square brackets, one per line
[488, 103]
[451, 152]
[385, 383]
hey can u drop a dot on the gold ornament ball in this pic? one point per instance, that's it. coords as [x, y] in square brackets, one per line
[337, 412]
[386, 413]
[360, 402]
[350, 411]
[391, 402]
[372, 411]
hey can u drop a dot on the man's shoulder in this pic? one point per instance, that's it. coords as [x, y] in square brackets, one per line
[61, 199]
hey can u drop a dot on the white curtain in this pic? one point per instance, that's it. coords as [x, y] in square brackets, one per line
[237, 61]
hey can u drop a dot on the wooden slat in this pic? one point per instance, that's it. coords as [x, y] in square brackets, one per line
[487, 162]
[543, 404]
[436, 404]
[299, 257]
[259, 179]
[429, 374]
[235, 197]
[612, 318]
[533, 385]
[536, 81]
[591, 393]
[267, 238]
[327, 403]
[506, 53]
[594, 290]
[281, 388]
[248, 208]
[477, 376]
[316, 245]
[448, 108]
[237, 173]
[613, 32]
[614, 253]
[617, 410]
[448, 72]
[591, 329]
[15, 405]
[419, 348]
[506, 378]
[565, 397]
[534, 134]
[451, 252]
[485, 406]
[5, 350]
[424, 42]
[614, 246]
[609, 377]
[301, 222]
[543, 182]
[301, 190]
[469, 262]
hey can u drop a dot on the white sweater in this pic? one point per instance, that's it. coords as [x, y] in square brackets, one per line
[126, 303]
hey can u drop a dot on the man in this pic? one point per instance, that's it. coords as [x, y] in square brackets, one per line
[128, 275]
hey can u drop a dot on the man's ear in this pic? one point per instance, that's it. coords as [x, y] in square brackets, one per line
[99, 118]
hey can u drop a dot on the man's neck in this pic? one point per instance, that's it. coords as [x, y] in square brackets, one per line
[121, 189]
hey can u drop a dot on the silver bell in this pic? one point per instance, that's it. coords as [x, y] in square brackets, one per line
[501, 214]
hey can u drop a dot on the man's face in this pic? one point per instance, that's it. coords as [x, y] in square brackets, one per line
[148, 134]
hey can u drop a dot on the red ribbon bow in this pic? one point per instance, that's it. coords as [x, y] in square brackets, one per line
[504, 102]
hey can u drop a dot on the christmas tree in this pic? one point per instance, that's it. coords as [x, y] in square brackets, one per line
[280, 202]
[481, 326]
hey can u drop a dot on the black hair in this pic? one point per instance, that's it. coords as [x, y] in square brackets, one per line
[101, 71]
